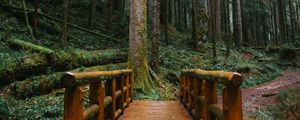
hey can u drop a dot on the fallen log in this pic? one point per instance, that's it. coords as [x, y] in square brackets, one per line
[12, 68]
[63, 60]
[15, 43]
[44, 84]
[38, 63]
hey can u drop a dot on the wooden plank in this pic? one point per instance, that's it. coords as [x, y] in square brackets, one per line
[156, 110]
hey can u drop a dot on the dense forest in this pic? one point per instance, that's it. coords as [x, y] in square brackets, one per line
[156, 39]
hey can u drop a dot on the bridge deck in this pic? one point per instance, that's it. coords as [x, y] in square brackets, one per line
[155, 110]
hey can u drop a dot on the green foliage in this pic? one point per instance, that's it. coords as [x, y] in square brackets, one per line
[4, 111]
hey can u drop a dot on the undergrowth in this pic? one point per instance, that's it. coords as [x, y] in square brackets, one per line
[287, 108]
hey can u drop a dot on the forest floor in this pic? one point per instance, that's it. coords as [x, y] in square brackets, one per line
[257, 97]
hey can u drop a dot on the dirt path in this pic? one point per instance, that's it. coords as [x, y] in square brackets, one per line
[265, 94]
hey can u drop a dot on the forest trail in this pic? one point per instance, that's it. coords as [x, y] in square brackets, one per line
[262, 95]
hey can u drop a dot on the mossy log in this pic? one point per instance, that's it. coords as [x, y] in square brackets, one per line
[44, 84]
[13, 69]
[21, 44]
[63, 60]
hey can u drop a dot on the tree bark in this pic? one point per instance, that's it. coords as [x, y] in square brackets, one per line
[92, 13]
[156, 31]
[194, 26]
[237, 23]
[138, 45]
[217, 25]
[65, 21]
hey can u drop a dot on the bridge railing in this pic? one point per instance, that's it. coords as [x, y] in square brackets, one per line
[110, 92]
[199, 94]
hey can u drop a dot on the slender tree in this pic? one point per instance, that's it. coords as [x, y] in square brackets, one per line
[217, 33]
[92, 13]
[35, 18]
[194, 25]
[237, 23]
[65, 21]
[156, 31]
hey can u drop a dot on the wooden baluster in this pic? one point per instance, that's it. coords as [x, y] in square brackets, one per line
[131, 88]
[127, 91]
[122, 82]
[73, 107]
[101, 97]
[184, 90]
[112, 93]
[180, 87]
[232, 103]
[210, 97]
[190, 97]
[196, 108]
[202, 92]
[93, 95]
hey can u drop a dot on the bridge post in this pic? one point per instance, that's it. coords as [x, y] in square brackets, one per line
[232, 103]
[210, 97]
[73, 107]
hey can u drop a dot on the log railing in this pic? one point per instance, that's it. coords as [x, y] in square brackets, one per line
[199, 94]
[110, 92]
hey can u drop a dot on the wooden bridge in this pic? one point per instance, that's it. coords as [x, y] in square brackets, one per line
[111, 97]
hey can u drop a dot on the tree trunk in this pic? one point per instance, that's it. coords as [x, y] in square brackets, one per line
[92, 13]
[65, 22]
[237, 23]
[156, 31]
[194, 26]
[282, 28]
[292, 15]
[217, 32]
[138, 45]
[35, 18]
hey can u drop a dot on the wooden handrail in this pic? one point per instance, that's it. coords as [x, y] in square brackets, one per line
[110, 92]
[198, 92]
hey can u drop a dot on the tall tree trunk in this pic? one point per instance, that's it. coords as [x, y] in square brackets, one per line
[292, 15]
[226, 25]
[156, 31]
[110, 6]
[194, 26]
[171, 12]
[237, 23]
[92, 13]
[179, 7]
[65, 22]
[282, 28]
[138, 45]
[35, 18]
[166, 20]
[217, 32]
